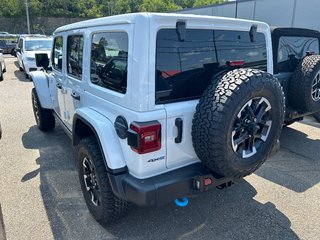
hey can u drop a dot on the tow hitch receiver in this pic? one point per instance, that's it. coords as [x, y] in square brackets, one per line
[204, 183]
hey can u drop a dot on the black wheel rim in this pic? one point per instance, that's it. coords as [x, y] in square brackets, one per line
[251, 127]
[315, 91]
[36, 109]
[90, 181]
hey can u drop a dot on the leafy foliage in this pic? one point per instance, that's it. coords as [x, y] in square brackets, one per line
[94, 8]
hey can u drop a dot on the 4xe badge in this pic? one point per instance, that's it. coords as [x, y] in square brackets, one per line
[156, 159]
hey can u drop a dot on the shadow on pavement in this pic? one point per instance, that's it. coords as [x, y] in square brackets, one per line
[228, 214]
[297, 165]
[19, 74]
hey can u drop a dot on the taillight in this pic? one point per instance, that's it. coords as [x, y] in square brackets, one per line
[144, 137]
[235, 63]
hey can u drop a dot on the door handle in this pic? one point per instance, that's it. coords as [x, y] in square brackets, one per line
[59, 85]
[75, 95]
[179, 125]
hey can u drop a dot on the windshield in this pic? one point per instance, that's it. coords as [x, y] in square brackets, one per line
[38, 45]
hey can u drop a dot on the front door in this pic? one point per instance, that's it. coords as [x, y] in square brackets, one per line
[57, 80]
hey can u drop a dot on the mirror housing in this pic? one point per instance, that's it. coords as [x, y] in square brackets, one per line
[42, 60]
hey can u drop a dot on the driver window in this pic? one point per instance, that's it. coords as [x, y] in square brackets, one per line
[57, 53]
[109, 60]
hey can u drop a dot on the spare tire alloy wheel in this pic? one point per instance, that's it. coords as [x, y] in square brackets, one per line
[315, 91]
[252, 127]
[238, 121]
[90, 181]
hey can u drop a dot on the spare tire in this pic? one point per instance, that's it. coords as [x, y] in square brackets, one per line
[304, 87]
[238, 121]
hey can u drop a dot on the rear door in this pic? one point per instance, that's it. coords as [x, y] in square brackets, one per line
[74, 76]
[185, 68]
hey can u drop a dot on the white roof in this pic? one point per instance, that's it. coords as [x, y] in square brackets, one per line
[131, 17]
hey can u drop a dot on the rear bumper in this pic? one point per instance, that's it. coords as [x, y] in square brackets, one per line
[165, 188]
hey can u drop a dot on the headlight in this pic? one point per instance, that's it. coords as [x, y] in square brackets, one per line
[30, 59]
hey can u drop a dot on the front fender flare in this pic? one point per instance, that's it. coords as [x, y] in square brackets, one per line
[41, 83]
[106, 137]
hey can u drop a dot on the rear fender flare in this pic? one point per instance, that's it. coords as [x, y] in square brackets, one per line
[106, 136]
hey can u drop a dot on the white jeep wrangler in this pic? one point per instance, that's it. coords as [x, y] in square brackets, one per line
[160, 106]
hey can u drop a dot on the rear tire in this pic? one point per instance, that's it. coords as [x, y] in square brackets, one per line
[304, 88]
[44, 117]
[104, 206]
[238, 121]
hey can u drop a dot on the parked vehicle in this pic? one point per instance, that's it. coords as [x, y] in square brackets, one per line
[8, 47]
[28, 46]
[162, 106]
[2, 65]
[6, 35]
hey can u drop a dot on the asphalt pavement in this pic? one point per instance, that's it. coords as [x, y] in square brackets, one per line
[41, 198]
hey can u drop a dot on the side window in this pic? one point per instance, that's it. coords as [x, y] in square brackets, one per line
[292, 49]
[109, 60]
[57, 53]
[74, 55]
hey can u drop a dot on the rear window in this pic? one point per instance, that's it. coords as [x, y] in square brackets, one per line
[292, 49]
[185, 68]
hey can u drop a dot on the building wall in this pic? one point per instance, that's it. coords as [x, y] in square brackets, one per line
[284, 13]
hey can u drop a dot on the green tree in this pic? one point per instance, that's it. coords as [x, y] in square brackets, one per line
[11, 8]
[199, 3]
[159, 6]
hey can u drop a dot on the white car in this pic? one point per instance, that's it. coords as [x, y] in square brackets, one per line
[28, 46]
[2, 65]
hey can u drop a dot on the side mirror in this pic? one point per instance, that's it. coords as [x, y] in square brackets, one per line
[42, 60]
[1, 50]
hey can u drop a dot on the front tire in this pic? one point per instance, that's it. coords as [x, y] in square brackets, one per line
[104, 206]
[44, 117]
[238, 121]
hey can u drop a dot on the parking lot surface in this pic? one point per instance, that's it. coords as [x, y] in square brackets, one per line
[40, 195]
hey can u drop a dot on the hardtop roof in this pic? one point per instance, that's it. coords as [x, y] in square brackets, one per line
[131, 18]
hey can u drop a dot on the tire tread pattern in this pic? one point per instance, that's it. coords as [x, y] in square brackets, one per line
[112, 208]
[46, 118]
[210, 123]
[300, 85]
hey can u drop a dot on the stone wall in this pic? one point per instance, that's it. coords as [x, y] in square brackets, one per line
[40, 25]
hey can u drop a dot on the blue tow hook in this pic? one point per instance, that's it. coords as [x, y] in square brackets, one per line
[181, 202]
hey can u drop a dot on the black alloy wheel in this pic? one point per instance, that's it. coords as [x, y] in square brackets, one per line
[90, 181]
[251, 127]
[315, 90]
